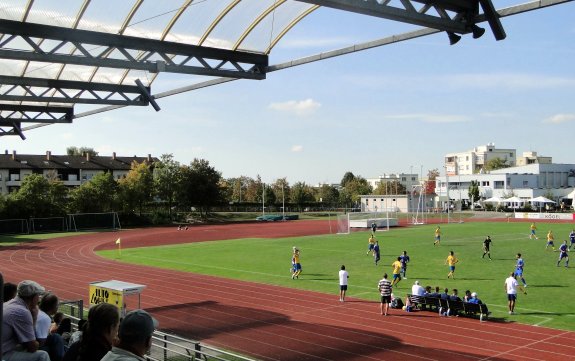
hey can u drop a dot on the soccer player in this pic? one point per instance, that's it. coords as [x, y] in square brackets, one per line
[396, 270]
[519, 269]
[533, 230]
[404, 259]
[373, 228]
[451, 261]
[437, 236]
[376, 254]
[297, 267]
[384, 287]
[563, 254]
[571, 239]
[486, 245]
[550, 239]
[370, 244]
[343, 276]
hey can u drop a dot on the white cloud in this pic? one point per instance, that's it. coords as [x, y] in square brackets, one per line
[297, 148]
[431, 118]
[560, 118]
[300, 108]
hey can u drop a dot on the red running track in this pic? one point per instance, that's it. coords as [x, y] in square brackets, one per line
[268, 322]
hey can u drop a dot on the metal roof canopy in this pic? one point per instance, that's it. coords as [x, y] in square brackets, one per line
[175, 57]
[28, 89]
[464, 16]
[37, 113]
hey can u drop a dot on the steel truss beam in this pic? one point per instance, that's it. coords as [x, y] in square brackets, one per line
[65, 91]
[34, 114]
[175, 57]
[445, 15]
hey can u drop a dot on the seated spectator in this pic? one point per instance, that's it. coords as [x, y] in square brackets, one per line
[417, 290]
[57, 318]
[65, 329]
[454, 296]
[427, 291]
[18, 336]
[445, 294]
[467, 296]
[49, 342]
[75, 336]
[135, 336]
[9, 292]
[474, 299]
[436, 293]
[98, 334]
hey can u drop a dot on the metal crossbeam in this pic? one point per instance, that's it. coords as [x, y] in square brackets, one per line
[65, 91]
[445, 15]
[34, 114]
[96, 49]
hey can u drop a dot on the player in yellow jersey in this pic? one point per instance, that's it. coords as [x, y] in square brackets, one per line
[550, 240]
[370, 244]
[451, 261]
[533, 229]
[396, 271]
[296, 263]
[437, 236]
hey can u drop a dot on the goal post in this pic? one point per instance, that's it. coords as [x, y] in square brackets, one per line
[91, 221]
[48, 225]
[343, 223]
[364, 220]
[14, 226]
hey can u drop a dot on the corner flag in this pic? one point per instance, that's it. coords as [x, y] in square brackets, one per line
[118, 241]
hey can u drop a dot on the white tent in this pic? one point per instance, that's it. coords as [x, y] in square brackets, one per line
[514, 200]
[493, 200]
[541, 199]
[571, 195]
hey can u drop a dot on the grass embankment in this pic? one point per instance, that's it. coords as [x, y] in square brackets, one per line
[268, 261]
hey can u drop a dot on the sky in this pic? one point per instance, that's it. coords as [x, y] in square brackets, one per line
[394, 109]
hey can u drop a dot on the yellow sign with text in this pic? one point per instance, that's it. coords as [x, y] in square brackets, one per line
[106, 295]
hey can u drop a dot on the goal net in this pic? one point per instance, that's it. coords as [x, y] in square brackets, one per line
[14, 226]
[48, 225]
[364, 220]
[90, 221]
[343, 223]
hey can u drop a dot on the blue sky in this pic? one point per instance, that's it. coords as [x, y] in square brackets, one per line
[385, 110]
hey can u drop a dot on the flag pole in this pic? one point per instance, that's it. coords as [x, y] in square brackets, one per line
[119, 243]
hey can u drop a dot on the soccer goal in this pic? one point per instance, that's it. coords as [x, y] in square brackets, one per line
[14, 226]
[364, 220]
[90, 221]
[48, 225]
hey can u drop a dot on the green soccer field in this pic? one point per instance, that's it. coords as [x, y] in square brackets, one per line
[548, 302]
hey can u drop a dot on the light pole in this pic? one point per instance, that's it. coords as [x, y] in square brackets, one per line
[283, 203]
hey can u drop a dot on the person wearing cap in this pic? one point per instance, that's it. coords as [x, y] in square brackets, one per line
[135, 337]
[19, 316]
[417, 290]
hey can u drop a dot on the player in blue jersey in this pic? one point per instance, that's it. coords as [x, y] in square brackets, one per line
[571, 239]
[404, 260]
[519, 269]
[563, 254]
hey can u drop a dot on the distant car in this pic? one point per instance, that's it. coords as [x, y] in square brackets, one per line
[477, 206]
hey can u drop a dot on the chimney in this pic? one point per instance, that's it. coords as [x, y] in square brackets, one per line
[48, 154]
[6, 151]
[114, 156]
[87, 156]
[13, 155]
[149, 158]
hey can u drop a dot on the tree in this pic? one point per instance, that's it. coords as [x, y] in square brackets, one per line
[353, 189]
[347, 177]
[137, 187]
[496, 163]
[328, 195]
[390, 187]
[81, 151]
[199, 186]
[281, 190]
[100, 194]
[39, 197]
[473, 191]
[429, 185]
[300, 194]
[166, 173]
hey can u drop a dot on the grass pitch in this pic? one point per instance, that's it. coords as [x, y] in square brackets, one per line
[550, 288]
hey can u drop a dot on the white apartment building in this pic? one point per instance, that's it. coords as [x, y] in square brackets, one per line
[525, 182]
[473, 161]
[533, 158]
[408, 180]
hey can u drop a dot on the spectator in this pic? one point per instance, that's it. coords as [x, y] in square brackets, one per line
[98, 334]
[428, 291]
[57, 318]
[65, 330]
[474, 299]
[435, 293]
[49, 341]
[467, 296]
[454, 296]
[135, 336]
[417, 290]
[75, 336]
[19, 314]
[10, 291]
[445, 294]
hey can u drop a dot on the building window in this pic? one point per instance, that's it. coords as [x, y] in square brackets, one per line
[413, 179]
[525, 184]
[510, 155]
[366, 201]
[498, 184]
[485, 183]
[403, 179]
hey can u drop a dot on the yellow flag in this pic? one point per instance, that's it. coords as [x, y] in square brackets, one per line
[118, 241]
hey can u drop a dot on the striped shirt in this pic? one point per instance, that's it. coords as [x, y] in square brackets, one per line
[384, 286]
